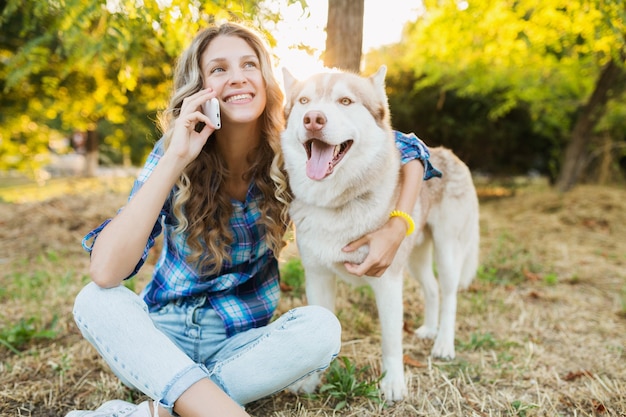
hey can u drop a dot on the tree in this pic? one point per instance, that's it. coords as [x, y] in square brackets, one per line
[611, 83]
[344, 34]
[76, 65]
[611, 80]
[547, 55]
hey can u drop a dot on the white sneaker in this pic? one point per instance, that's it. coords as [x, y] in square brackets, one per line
[113, 408]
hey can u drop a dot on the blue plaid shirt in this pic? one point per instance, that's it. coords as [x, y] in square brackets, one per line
[245, 292]
[411, 147]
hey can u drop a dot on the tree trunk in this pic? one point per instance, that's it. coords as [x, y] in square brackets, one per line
[606, 160]
[91, 153]
[610, 83]
[344, 34]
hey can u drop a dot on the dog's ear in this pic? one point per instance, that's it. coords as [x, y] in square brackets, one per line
[379, 77]
[288, 80]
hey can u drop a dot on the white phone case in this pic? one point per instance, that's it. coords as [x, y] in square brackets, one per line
[212, 109]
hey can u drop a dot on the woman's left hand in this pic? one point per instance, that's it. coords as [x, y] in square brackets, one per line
[383, 245]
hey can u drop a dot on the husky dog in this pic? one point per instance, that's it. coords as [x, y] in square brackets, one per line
[343, 168]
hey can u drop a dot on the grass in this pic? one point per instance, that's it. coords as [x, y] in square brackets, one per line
[292, 277]
[17, 335]
[540, 332]
[347, 383]
[32, 191]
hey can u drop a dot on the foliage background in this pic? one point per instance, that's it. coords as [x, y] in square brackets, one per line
[75, 65]
[502, 82]
[499, 81]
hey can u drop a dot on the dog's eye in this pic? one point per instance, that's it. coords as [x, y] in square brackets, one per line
[303, 100]
[345, 101]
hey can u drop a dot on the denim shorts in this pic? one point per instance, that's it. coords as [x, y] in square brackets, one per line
[163, 353]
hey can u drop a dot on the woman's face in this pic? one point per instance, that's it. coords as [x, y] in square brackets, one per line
[231, 68]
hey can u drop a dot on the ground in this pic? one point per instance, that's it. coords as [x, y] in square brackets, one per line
[540, 332]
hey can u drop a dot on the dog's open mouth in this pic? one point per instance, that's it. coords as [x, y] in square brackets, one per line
[323, 157]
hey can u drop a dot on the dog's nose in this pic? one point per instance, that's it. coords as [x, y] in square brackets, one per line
[314, 120]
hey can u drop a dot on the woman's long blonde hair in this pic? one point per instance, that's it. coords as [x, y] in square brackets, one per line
[201, 206]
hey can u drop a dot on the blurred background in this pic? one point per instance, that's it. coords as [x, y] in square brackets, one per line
[531, 88]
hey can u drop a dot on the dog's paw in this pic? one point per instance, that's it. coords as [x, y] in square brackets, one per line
[425, 332]
[443, 349]
[307, 384]
[393, 388]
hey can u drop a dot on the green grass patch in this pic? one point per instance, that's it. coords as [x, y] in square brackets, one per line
[17, 336]
[506, 262]
[32, 279]
[479, 341]
[551, 279]
[347, 383]
[459, 367]
[521, 408]
[483, 341]
[292, 276]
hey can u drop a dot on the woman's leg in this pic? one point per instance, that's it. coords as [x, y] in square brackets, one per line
[116, 321]
[206, 399]
[247, 366]
[263, 361]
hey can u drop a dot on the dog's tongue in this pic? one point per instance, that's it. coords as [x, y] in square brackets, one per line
[321, 157]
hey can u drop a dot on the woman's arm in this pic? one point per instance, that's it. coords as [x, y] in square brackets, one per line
[384, 242]
[119, 246]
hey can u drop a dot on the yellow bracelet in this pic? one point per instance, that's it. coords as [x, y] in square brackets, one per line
[407, 218]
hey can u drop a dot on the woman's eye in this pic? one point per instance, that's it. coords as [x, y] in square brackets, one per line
[345, 101]
[217, 69]
[250, 64]
[303, 100]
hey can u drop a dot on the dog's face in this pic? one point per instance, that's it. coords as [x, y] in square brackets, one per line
[337, 132]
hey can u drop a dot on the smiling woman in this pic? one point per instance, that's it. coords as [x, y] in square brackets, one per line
[218, 198]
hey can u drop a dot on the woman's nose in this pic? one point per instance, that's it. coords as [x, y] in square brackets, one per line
[237, 76]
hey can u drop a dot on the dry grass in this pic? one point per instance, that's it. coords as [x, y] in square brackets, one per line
[541, 331]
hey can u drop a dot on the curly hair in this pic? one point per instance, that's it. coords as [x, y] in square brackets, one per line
[201, 208]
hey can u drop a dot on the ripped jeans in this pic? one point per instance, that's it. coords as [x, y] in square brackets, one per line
[164, 353]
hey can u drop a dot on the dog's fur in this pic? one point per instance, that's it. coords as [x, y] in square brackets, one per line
[348, 190]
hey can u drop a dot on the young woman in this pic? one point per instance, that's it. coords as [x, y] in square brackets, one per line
[199, 340]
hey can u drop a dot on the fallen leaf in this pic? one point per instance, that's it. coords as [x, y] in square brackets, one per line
[600, 225]
[571, 376]
[598, 406]
[413, 362]
[531, 276]
[407, 328]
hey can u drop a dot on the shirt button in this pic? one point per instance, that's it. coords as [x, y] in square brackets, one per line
[193, 332]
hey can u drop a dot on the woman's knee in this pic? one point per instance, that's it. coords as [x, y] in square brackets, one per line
[94, 302]
[322, 331]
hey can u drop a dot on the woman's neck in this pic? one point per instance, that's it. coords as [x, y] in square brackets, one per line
[235, 145]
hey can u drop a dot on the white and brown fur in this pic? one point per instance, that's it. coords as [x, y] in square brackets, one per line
[356, 197]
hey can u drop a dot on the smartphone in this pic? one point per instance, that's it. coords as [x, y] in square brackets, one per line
[212, 109]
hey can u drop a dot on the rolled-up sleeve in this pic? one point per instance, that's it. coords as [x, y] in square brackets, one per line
[90, 238]
[411, 147]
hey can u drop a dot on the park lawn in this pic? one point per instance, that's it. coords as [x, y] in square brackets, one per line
[541, 331]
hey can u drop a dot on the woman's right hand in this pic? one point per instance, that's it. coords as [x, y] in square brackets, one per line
[186, 143]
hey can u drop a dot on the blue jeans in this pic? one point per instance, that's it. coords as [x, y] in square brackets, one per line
[164, 353]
